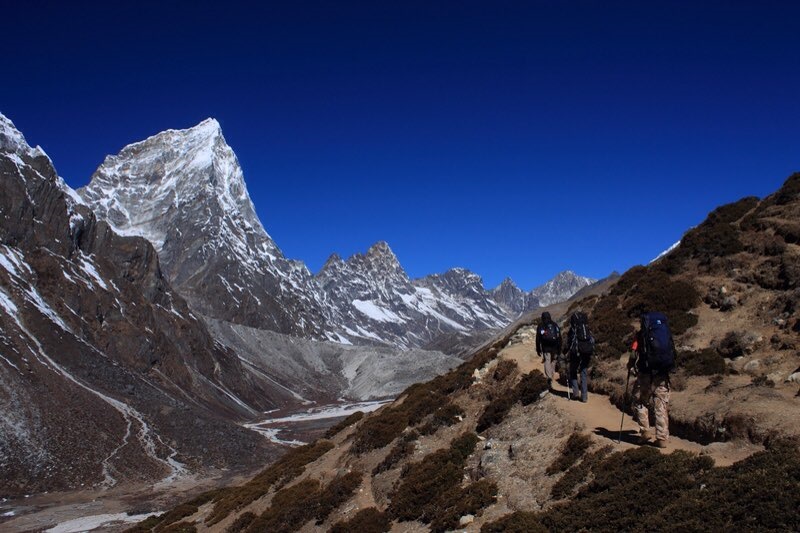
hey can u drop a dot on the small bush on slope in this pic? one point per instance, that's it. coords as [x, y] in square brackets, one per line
[241, 523]
[368, 520]
[293, 506]
[457, 502]
[346, 423]
[571, 452]
[578, 473]
[423, 484]
[702, 363]
[404, 448]
[527, 391]
[444, 416]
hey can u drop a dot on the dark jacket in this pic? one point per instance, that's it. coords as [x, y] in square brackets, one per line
[542, 345]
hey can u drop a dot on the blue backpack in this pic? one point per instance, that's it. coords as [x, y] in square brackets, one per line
[658, 349]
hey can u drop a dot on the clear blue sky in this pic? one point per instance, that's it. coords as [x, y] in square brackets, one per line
[456, 131]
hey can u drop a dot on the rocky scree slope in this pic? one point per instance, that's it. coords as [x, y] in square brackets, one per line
[184, 190]
[483, 449]
[105, 374]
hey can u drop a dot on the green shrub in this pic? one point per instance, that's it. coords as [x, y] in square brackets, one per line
[731, 345]
[571, 452]
[336, 493]
[788, 193]
[733, 212]
[279, 473]
[346, 423]
[368, 520]
[705, 362]
[762, 381]
[423, 484]
[464, 444]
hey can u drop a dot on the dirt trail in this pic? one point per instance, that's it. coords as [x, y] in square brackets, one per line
[599, 417]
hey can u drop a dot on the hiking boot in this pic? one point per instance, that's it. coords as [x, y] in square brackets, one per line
[661, 444]
[644, 437]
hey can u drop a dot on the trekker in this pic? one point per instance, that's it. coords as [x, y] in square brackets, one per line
[652, 359]
[580, 347]
[548, 345]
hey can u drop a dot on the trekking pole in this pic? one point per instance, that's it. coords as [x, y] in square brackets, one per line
[569, 377]
[624, 404]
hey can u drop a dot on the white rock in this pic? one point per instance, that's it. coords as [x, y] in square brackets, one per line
[466, 519]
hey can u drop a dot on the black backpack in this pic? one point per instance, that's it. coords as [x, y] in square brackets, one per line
[549, 333]
[579, 323]
[658, 348]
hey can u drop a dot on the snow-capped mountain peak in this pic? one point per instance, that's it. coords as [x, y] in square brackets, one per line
[184, 191]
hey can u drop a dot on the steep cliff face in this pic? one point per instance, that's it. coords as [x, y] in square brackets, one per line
[184, 191]
[106, 373]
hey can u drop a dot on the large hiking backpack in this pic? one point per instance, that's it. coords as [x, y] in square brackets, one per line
[579, 323]
[549, 332]
[657, 340]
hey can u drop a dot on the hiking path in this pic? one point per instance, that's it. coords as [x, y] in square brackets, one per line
[602, 419]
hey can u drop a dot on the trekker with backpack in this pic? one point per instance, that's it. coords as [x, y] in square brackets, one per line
[548, 345]
[580, 347]
[652, 360]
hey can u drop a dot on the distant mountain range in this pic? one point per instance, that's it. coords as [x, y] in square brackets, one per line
[185, 192]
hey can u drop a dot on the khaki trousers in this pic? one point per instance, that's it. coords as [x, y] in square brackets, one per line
[652, 389]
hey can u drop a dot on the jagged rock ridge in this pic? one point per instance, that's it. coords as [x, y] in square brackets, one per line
[558, 289]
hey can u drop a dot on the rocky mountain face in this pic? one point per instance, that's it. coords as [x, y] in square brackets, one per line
[558, 289]
[373, 299]
[105, 373]
[184, 191]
